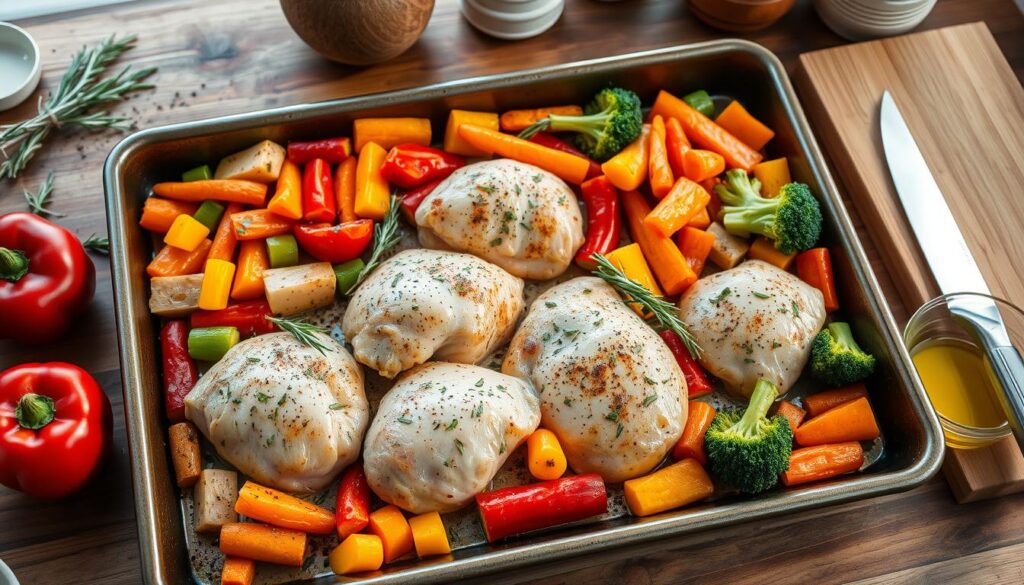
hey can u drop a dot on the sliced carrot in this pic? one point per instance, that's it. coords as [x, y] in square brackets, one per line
[453, 143]
[670, 487]
[676, 145]
[764, 249]
[393, 529]
[230, 190]
[516, 120]
[814, 267]
[280, 509]
[569, 167]
[224, 240]
[358, 553]
[822, 402]
[704, 133]
[252, 261]
[691, 443]
[682, 203]
[389, 132]
[673, 271]
[695, 245]
[659, 173]
[853, 421]
[429, 535]
[702, 219]
[544, 455]
[238, 571]
[287, 199]
[701, 165]
[822, 462]
[257, 224]
[158, 214]
[627, 170]
[171, 261]
[773, 174]
[793, 413]
[260, 542]
[345, 188]
[630, 260]
[738, 122]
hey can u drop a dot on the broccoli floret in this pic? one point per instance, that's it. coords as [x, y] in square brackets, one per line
[611, 121]
[792, 219]
[747, 450]
[836, 359]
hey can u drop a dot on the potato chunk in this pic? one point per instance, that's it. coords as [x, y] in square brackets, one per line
[215, 496]
[174, 296]
[260, 163]
[296, 289]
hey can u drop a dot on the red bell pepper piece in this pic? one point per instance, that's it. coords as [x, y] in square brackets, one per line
[332, 150]
[518, 509]
[550, 141]
[335, 243]
[249, 317]
[696, 380]
[815, 268]
[319, 204]
[46, 279]
[55, 428]
[604, 224]
[412, 165]
[352, 510]
[179, 370]
[412, 199]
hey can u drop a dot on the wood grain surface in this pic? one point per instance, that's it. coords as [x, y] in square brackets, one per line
[232, 56]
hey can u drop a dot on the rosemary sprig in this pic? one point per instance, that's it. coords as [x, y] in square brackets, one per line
[80, 90]
[304, 331]
[385, 236]
[97, 244]
[38, 201]
[664, 312]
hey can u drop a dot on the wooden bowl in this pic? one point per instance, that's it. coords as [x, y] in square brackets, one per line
[740, 15]
[358, 32]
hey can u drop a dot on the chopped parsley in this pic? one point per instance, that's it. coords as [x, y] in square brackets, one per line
[550, 304]
[495, 242]
[479, 383]
[612, 416]
[618, 430]
[404, 420]
[650, 400]
[479, 410]
[649, 381]
[721, 296]
[567, 402]
[458, 445]
[262, 397]
[796, 309]
[336, 406]
[252, 360]
[761, 295]
[451, 426]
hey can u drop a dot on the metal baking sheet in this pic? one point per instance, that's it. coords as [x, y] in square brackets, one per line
[733, 68]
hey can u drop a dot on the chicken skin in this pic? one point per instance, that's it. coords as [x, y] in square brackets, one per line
[422, 303]
[516, 215]
[753, 321]
[443, 431]
[281, 412]
[610, 388]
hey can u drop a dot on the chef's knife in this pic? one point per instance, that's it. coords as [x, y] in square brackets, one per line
[950, 259]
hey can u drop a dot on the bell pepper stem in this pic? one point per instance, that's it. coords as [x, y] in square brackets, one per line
[34, 411]
[13, 264]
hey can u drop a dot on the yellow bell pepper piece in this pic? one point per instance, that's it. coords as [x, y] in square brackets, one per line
[287, 199]
[429, 535]
[628, 169]
[186, 233]
[544, 455]
[372, 196]
[216, 287]
[454, 143]
[764, 249]
[356, 554]
[389, 132]
[670, 487]
[773, 174]
[630, 260]
[393, 529]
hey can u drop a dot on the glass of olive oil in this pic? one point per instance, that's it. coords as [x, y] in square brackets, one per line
[956, 374]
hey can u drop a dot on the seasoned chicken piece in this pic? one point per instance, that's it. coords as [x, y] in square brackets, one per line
[281, 412]
[442, 432]
[753, 321]
[518, 216]
[610, 388]
[423, 303]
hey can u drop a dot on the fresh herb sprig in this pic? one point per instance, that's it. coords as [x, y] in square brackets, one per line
[97, 244]
[38, 201]
[664, 312]
[385, 236]
[304, 331]
[81, 89]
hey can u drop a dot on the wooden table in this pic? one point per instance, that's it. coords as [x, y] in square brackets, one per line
[231, 56]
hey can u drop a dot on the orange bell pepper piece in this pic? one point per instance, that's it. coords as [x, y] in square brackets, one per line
[287, 199]
[628, 169]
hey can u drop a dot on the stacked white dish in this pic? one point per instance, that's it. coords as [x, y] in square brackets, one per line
[512, 19]
[867, 19]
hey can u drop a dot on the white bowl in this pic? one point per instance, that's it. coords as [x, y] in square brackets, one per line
[837, 15]
[515, 6]
[855, 12]
[6, 574]
[512, 26]
[20, 66]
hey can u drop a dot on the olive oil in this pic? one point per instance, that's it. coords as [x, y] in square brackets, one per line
[959, 383]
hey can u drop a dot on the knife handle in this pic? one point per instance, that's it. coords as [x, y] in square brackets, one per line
[1008, 367]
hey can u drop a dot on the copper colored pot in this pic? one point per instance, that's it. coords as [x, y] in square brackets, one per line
[740, 15]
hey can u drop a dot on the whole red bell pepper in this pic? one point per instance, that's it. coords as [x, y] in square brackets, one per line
[550, 141]
[332, 150]
[249, 317]
[352, 510]
[412, 165]
[696, 380]
[412, 199]
[319, 203]
[55, 428]
[604, 224]
[522, 508]
[335, 243]
[46, 278]
[179, 370]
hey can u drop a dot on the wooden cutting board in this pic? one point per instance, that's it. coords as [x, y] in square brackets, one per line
[965, 107]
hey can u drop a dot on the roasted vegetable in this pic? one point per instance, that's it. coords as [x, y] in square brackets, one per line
[260, 162]
[215, 496]
[174, 296]
[610, 122]
[183, 440]
[836, 359]
[296, 289]
[792, 220]
[746, 449]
